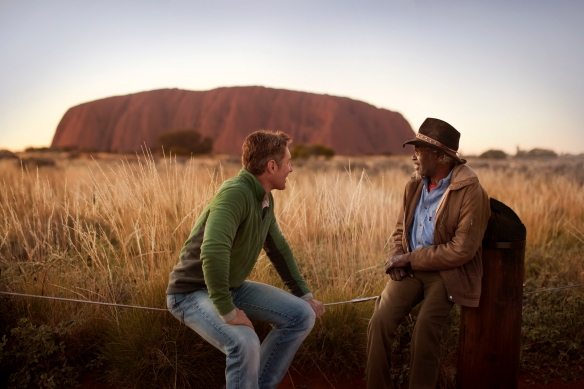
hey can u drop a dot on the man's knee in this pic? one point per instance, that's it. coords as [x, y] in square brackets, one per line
[433, 316]
[306, 317]
[384, 321]
[245, 348]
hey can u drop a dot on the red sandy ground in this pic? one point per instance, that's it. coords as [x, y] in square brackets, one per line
[317, 380]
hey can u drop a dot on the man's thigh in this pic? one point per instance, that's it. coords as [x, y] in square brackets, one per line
[436, 306]
[198, 312]
[267, 303]
[401, 296]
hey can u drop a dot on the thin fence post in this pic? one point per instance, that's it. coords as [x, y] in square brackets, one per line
[490, 335]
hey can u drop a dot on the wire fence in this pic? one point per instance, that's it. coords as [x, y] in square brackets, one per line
[354, 301]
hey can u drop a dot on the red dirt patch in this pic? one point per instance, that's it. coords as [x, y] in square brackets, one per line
[316, 380]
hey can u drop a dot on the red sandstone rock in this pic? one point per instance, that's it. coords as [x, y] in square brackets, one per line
[228, 115]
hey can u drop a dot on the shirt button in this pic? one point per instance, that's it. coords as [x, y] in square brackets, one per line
[450, 297]
[425, 207]
[420, 224]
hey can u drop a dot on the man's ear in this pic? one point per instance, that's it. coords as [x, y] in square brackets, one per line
[271, 166]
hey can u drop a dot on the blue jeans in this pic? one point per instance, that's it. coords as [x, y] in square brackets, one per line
[249, 364]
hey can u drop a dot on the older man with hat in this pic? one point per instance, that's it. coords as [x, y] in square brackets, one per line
[434, 256]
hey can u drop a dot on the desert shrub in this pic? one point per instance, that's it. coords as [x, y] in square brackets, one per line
[7, 154]
[342, 328]
[325, 151]
[34, 162]
[35, 356]
[542, 153]
[536, 153]
[553, 336]
[155, 350]
[494, 154]
[185, 142]
[54, 149]
[301, 150]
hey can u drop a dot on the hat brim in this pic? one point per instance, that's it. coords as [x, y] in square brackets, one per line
[419, 142]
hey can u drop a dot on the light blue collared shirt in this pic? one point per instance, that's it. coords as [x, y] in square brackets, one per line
[422, 233]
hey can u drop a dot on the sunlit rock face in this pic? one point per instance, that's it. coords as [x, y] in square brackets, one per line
[228, 115]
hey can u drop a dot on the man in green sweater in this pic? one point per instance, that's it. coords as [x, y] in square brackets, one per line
[208, 290]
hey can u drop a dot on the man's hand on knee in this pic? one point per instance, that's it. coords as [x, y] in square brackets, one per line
[241, 319]
[317, 307]
[398, 267]
[398, 274]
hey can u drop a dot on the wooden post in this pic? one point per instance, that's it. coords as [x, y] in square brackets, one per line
[490, 335]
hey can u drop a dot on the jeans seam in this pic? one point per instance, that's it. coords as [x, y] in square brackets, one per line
[280, 339]
[271, 357]
[231, 341]
[268, 310]
[181, 317]
[204, 314]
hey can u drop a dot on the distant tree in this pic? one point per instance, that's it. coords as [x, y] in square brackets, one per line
[301, 150]
[185, 142]
[7, 154]
[318, 149]
[494, 154]
[541, 153]
[535, 153]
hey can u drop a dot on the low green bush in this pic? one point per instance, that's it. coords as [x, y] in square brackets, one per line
[35, 356]
[302, 151]
[494, 154]
[553, 336]
[185, 142]
[154, 350]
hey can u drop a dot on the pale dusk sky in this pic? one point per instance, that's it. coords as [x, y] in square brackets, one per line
[504, 73]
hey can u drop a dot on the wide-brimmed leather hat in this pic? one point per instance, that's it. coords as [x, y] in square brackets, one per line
[438, 135]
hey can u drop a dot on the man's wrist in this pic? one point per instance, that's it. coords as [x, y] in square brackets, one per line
[228, 317]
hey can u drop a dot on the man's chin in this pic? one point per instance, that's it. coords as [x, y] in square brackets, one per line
[417, 172]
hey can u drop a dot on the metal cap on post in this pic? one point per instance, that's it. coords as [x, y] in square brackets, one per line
[490, 335]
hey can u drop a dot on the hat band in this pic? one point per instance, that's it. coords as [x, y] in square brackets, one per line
[436, 143]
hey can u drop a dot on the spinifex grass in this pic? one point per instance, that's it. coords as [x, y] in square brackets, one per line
[112, 232]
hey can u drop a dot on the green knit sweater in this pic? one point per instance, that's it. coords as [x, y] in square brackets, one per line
[226, 241]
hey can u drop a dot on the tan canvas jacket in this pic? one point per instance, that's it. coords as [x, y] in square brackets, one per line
[459, 226]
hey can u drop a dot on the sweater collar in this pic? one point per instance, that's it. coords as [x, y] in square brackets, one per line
[257, 188]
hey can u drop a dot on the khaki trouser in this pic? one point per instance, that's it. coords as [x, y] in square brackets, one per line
[396, 302]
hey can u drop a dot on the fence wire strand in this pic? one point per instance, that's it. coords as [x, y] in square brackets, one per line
[357, 300]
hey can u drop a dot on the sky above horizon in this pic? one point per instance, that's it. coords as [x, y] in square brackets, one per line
[506, 74]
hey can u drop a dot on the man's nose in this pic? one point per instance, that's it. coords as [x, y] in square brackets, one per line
[414, 158]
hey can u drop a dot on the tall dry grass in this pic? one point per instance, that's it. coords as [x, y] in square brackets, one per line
[111, 231]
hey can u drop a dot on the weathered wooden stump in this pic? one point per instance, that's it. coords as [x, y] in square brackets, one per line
[490, 335]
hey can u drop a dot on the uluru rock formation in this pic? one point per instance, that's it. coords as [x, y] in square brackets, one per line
[228, 115]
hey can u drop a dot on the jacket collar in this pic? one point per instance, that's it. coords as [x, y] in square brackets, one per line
[462, 175]
[255, 186]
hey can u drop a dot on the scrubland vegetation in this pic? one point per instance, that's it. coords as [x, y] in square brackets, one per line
[111, 229]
